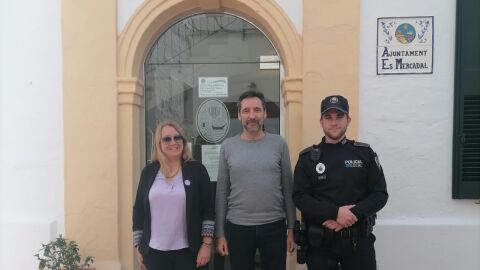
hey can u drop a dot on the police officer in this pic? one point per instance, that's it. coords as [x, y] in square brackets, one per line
[339, 187]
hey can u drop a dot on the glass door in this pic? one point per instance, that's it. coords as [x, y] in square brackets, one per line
[194, 74]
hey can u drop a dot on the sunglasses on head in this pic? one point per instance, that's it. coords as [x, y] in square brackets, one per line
[168, 139]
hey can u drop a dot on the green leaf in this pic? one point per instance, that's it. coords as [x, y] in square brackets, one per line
[61, 254]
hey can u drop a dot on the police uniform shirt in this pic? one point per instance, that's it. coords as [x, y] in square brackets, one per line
[346, 173]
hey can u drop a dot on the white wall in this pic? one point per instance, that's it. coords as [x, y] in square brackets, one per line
[294, 10]
[31, 129]
[126, 8]
[408, 120]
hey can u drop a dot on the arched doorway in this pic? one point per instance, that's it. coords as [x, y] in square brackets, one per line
[195, 72]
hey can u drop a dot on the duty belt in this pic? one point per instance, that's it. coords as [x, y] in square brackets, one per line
[318, 235]
[346, 233]
[361, 230]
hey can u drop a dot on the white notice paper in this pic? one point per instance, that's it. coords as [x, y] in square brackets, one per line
[212, 87]
[210, 157]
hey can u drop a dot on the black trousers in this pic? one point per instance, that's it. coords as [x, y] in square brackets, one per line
[270, 239]
[342, 251]
[182, 259]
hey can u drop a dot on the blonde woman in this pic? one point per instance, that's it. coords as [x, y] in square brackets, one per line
[174, 211]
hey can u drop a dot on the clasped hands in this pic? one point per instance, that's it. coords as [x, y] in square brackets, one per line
[345, 219]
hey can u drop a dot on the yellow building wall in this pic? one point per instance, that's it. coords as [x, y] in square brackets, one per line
[331, 61]
[90, 128]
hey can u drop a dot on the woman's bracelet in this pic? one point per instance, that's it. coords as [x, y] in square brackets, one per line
[207, 244]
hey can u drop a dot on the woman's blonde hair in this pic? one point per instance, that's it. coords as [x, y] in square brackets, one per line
[158, 155]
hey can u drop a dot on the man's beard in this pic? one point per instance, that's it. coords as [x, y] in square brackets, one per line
[337, 137]
[249, 127]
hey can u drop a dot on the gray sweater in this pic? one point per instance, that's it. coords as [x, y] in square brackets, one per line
[254, 185]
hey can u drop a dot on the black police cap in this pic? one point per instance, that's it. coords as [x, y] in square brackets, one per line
[334, 102]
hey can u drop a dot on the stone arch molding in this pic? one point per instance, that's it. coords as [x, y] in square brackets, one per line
[153, 16]
[143, 28]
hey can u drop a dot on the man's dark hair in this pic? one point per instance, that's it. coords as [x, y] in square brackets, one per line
[251, 94]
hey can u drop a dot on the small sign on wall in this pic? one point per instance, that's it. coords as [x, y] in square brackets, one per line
[212, 87]
[405, 45]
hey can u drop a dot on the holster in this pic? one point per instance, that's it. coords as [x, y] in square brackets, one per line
[300, 237]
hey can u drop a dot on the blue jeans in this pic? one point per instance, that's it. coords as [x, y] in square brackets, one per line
[270, 239]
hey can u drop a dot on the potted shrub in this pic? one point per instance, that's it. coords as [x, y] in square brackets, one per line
[62, 254]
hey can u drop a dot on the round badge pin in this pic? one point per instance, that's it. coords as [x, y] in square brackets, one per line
[320, 168]
[187, 182]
